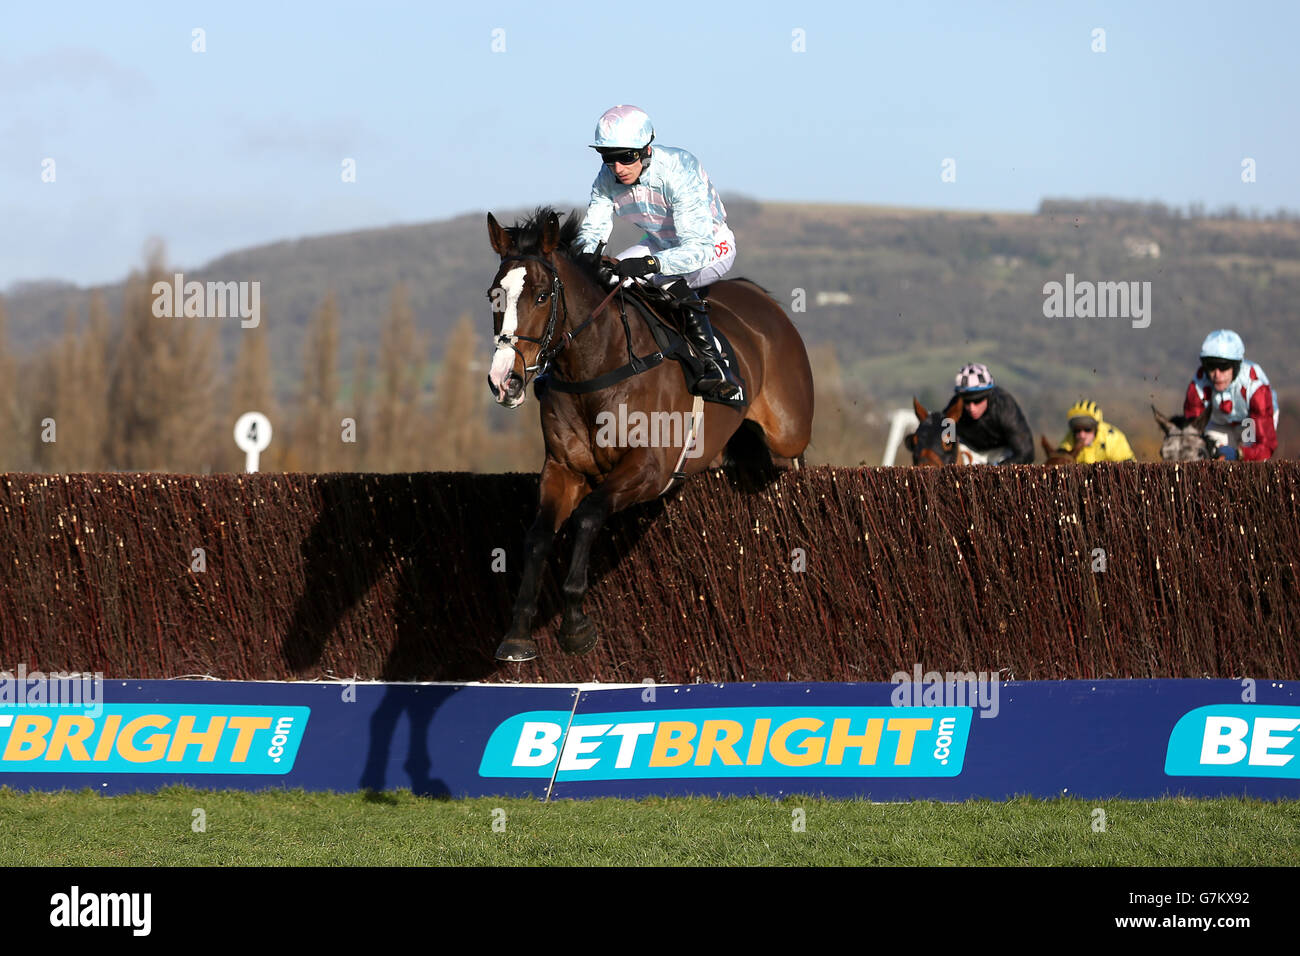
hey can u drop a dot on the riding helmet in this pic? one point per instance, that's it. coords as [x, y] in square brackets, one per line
[1084, 412]
[974, 381]
[1223, 344]
[623, 127]
[1227, 345]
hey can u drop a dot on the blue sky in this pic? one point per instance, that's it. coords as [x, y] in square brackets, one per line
[243, 144]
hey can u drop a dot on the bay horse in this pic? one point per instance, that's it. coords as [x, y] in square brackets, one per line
[554, 317]
[1059, 456]
[935, 440]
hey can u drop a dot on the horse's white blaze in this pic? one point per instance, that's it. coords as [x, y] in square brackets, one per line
[504, 359]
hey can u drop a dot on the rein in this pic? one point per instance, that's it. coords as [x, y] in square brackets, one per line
[547, 354]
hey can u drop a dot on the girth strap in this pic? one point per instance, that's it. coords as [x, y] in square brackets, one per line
[636, 363]
[634, 367]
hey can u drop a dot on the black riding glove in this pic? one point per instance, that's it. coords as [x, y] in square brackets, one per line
[637, 268]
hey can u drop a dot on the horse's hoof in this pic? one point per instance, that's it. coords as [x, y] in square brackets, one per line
[517, 649]
[580, 639]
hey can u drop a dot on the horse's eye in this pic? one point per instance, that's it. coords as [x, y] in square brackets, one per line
[542, 298]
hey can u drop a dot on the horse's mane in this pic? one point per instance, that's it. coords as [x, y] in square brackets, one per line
[527, 236]
[527, 232]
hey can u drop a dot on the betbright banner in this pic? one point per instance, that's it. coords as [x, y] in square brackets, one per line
[926, 738]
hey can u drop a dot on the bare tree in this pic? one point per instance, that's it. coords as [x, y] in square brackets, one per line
[398, 402]
[251, 391]
[161, 384]
[14, 433]
[60, 408]
[356, 450]
[316, 436]
[458, 425]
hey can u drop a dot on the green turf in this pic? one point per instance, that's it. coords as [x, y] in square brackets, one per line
[312, 829]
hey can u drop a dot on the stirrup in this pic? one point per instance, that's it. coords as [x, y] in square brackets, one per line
[727, 390]
[718, 384]
[709, 376]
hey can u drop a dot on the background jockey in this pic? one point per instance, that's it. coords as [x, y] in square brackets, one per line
[687, 243]
[1101, 440]
[1237, 392]
[991, 418]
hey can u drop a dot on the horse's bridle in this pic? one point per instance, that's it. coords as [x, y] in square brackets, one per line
[544, 358]
[545, 354]
[934, 458]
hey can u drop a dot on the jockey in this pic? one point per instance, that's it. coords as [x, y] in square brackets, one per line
[991, 418]
[1243, 416]
[1101, 440]
[687, 243]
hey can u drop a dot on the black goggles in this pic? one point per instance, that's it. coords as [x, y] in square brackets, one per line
[1217, 364]
[623, 157]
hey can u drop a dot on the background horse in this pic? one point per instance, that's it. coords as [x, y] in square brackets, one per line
[1059, 456]
[935, 441]
[553, 315]
[1184, 440]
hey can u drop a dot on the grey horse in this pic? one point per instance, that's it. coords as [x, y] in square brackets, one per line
[1184, 440]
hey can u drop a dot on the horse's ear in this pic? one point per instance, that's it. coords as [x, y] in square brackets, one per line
[502, 244]
[954, 410]
[917, 407]
[1047, 445]
[1165, 424]
[1203, 419]
[551, 234]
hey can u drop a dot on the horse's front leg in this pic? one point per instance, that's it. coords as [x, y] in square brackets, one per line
[559, 493]
[637, 477]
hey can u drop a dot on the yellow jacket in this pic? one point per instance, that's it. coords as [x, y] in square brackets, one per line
[1108, 445]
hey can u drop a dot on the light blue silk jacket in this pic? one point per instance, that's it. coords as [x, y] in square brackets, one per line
[673, 201]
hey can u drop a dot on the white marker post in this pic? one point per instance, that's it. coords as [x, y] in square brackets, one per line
[252, 435]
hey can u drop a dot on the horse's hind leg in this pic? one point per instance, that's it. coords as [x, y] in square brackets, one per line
[559, 494]
[783, 408]
[632, 480]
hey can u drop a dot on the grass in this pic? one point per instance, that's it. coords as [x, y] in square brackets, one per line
[296, 828]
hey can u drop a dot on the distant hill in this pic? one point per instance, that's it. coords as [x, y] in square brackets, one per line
[904, 297]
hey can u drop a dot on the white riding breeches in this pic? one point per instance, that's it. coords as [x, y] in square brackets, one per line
[1231, 434]
[724, 257]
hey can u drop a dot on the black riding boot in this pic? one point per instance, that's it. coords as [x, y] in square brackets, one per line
[715, 377]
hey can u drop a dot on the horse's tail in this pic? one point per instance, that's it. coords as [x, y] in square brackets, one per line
[749, 457]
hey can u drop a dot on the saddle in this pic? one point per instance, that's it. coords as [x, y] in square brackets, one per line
[663, 314]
